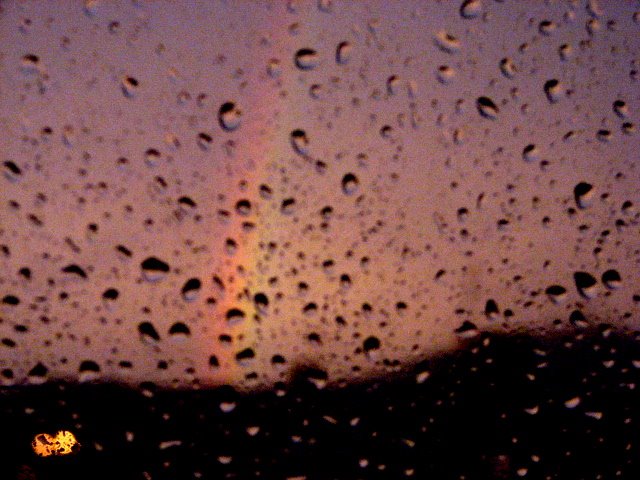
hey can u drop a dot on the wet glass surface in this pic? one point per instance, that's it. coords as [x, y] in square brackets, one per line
[320, 238]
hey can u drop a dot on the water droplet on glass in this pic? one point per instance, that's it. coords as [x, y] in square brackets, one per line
[393, 85]
[586, 284]
[612, 279]
[11, 171]
[129, 85]
[154, 269]
[190, 289]
[565, 51]
[229, 116]
[572, 402]
[447, 42]
[471, 8]
[583, 194]
[300, 142]
[556, 293]
[151, 157]
[547, 27]
[343, 52]
[148, 333]
[30, 63]
[620, 108]
[487, 108]
[306, 59]
[350, 184]
[530, 153]
[445, 74]
[507, 67]
[553, 90]
[235, 316]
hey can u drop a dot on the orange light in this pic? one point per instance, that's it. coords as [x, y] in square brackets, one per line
[63, 443]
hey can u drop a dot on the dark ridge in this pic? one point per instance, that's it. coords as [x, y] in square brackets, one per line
[501, 407]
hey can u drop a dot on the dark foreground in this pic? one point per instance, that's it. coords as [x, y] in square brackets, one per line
[503, 407]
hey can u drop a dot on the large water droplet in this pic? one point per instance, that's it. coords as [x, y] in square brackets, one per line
[507, 67]
[129, 86]
[471, 8]
[154, 269]
[229, 116]
[447, 42]
[343, 52]
[586, 284]
[350, 184]
[612, 279]
[553, 90]
[306, 59]
[583, 194]
[445, 74]
[530, 153]
[487, 108]
[300, 142]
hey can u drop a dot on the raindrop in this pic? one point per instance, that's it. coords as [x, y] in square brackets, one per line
[88, 371]
[471, 8]
[507, 67]
[612, 279]
[154, 269]
[316, 91]
[553, 90]
[129, 85]
[491, 309]
[234, 316]
[530, 153]
[370, 344]
[148, 333]
[11, 171]
[583, 194]
[190, 289]
[306, 59]
[447, 42]
[300, 142]
[244, 357]
[565, 51]
[243, 207]
[604, 135]
[38, 374]
[151, 157]
[75, 270]
[547, 27]
[179, 330]
[572, 402]
[620, 108]
[556, 293]
[467, 330]
[30, 64]
[586, 284]
[628, 128]
[204, 140]
[343, 52]
[578, 320]
[350, 184]
[288, 206]
[317, 377]
[393, 85]
[445, 74]
[487, 108]
[261, 302]
[229, 116]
